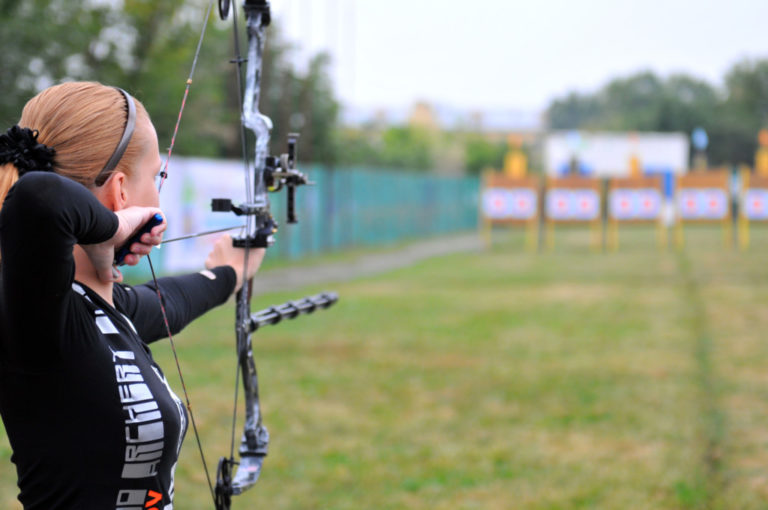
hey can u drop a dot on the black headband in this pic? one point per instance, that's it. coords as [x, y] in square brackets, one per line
[130, 125]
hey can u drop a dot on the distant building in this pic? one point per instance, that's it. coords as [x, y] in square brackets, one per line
[492, 121]
[422, 115]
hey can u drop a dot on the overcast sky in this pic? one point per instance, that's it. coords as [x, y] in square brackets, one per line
[485, 54]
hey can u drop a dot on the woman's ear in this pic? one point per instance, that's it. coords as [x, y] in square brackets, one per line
[113, 193]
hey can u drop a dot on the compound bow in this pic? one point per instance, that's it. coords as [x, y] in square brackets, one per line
[270, 174]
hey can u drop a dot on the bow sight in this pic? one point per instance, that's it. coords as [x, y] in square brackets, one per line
[277, 173]
[282, 171]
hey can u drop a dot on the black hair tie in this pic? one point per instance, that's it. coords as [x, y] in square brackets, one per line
[20, 146]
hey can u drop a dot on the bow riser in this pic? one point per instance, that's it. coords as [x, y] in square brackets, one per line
[255, 439]
[259, 124]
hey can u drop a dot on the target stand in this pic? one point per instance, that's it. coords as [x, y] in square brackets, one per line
[573, 201]
[703, 198]
[512, 202]
[635, 201]
[753, 206]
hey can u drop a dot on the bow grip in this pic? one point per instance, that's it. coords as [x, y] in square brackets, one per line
[125, 249]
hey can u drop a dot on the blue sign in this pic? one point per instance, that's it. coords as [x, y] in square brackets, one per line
[699, 138]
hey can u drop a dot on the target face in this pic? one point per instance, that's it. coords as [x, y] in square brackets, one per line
[702, 204]
[755, 204]
[509, 203]
[635, 204]
[573, 204]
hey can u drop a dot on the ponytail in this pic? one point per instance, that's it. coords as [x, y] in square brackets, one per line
[9, 174]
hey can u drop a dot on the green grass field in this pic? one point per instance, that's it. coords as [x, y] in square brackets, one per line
[503, 380]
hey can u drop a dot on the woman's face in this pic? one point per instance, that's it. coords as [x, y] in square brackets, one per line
[141, 184]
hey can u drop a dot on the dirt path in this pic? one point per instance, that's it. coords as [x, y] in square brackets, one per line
[296, 277]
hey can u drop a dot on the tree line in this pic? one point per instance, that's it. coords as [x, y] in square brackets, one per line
[147, 47]
[732, 114]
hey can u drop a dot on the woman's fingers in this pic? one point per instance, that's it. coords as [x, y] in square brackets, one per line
[133, 220]
[225, 254]
[155, 236]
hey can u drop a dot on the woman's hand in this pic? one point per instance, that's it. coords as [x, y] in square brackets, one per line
[224, 254]
[130, 220]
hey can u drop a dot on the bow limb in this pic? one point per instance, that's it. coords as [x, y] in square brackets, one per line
[254, 442]
[255, 438]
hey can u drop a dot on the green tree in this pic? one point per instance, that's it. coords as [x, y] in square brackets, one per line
[632, 103]
[686, 103]
[146, 47]
[300, 103]
[645, 102]
[407, 147]
[482, 153]
[574, 111]
[40, 47]
[733, 138]
[642, 102]
[400, 147]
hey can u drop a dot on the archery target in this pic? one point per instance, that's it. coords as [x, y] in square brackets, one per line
[573, 204]
[634, 204]
[510, 203]
[755, 204]
[702, 204]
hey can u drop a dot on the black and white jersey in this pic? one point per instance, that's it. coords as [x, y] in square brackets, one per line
[91, 419]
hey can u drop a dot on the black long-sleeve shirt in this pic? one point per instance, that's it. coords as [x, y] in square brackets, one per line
[92, 422]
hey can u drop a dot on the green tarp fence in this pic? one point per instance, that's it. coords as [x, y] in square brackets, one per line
[368, 207]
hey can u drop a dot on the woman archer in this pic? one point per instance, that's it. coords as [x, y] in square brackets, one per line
[91, 420]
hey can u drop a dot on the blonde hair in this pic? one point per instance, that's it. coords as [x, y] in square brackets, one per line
[83, 122]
